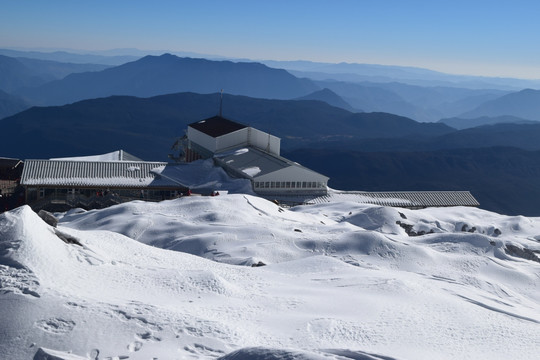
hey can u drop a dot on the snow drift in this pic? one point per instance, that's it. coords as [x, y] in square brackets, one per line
[173, 280]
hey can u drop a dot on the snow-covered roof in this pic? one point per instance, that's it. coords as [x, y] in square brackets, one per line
[126, 174]
[252, 163]
[408, 199]
[118, 155]
[217, 126]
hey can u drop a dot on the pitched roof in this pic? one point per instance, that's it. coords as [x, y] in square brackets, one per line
[252, 163]
[118, 155]
[115, 174]
[217, 126]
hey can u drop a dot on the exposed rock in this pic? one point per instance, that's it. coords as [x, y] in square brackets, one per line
[68, 239]
[48, 218]
[409, 229]
[524, 253]
[260, 263]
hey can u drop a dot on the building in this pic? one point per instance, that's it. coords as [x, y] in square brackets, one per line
[11, 193]
[250, 153]
[217, 135]
[404, 199]
[95, 181]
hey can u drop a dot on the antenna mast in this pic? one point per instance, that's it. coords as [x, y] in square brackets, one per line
[221, 104]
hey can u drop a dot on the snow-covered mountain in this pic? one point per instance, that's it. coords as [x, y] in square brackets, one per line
[169, 280]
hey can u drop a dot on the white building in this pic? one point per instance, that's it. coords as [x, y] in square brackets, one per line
[246, 152]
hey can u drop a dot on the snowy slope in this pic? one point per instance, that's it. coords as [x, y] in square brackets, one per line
[343, 280]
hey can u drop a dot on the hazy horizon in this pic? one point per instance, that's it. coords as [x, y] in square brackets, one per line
[480, 38]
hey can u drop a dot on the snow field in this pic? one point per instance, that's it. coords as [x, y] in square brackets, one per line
[340, 279]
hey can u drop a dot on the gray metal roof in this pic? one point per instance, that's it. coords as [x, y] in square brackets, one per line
[114, 174]
[251, 163]
[407, 199]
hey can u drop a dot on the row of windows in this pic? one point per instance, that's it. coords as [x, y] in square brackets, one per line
[288, 185]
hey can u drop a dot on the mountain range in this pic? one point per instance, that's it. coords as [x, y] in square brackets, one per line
[461, 123]
[165, 74]
[310, 115]
[41, 82]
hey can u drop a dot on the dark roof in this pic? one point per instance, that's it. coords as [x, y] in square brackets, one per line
[9, 162]
[217, 126]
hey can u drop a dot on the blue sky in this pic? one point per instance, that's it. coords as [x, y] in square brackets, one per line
[476, 37]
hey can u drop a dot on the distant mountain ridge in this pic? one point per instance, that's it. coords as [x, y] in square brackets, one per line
[14, 75]
[17, 73]
[416, 102]
[104, 124]
[167, 74]
[331, 98]
[460, 123]
[10, 104]
[524, 104]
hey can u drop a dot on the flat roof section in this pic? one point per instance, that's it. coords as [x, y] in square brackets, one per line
[217, 126]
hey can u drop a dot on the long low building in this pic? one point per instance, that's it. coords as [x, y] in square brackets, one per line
[405, 199]
[93, 182]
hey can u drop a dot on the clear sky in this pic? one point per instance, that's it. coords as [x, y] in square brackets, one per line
[476, 37]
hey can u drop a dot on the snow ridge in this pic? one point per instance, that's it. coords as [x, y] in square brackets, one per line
[342, 280]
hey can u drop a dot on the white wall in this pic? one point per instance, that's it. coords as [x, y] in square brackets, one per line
[237, 138]
[202, 139]
[242, 137]
[265, 141]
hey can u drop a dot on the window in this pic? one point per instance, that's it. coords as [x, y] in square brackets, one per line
[288, 184]
[304, 185]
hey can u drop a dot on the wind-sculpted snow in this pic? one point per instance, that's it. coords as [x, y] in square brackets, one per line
[173, 280]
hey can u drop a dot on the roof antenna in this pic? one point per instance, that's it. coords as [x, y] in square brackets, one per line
[221, 104]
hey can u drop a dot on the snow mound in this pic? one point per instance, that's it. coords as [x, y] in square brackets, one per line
[155, 280]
